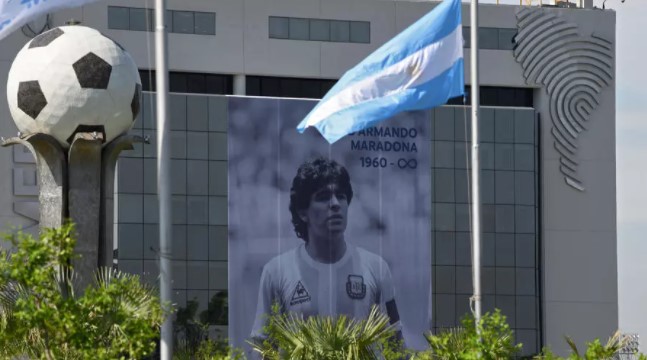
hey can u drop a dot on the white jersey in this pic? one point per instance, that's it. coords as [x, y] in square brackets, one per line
[351, 286]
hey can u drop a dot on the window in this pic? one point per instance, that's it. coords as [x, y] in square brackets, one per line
[492, 38]
[319, 30]
[360, 32]
[299, 29]
[287, 87]
[118, 18]
[497, 96]
[139, 20]
[506, 38]
[183, 22]
[205, 23]
[488, 38]
[142, 19]
[508, 218]
[194, 83]
[279, 27]
[178, 82]
[340, 31]
[467, 38]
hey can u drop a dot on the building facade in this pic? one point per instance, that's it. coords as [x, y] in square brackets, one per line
[548, 153]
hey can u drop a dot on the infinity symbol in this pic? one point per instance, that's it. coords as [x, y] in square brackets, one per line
[404, 163]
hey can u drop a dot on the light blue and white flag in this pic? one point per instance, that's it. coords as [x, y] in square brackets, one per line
[420, 68]
[16, 13]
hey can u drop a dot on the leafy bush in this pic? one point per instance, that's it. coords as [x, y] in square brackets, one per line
[208, 349]
[191, 331]
[43, 315]
[595, 350]
[495, 342]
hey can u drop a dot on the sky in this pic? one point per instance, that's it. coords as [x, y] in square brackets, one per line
[631, 160]
[631, 164]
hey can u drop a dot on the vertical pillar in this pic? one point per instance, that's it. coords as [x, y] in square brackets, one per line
[84, 197]
[52, 177]
[240, 84]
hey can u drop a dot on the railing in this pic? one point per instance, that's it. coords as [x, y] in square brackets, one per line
[631, 348]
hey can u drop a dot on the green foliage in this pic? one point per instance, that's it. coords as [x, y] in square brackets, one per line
[290, 336]
[217, 312]
[217, 350]
[595, 350]
[41, 315]
[208, 349]
[191, 331]
[495, 341]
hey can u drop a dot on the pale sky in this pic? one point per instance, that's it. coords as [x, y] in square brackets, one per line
[631, 163]
[631, 160]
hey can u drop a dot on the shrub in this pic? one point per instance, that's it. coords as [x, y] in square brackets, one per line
[43, 315]
[595, 350]
[495, 341]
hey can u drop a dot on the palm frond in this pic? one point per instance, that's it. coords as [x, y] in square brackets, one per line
[136, 297]
[67, 280]
[324, 337]
[573, 346]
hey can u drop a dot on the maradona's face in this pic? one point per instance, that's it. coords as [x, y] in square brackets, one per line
[326, 216]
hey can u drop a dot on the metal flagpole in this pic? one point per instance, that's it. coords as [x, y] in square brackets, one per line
[476, 193]
[163, 174]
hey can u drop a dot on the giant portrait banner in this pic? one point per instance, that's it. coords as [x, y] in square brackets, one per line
[323, 229]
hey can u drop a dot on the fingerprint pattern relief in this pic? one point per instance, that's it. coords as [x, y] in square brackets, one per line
[572, 68]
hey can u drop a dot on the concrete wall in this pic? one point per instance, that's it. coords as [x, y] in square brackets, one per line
[579, 242]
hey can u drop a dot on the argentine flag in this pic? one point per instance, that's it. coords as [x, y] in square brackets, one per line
[420, 68]
[16, 13]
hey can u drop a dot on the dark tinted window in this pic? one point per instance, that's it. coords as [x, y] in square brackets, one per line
[194, 83]
[497, 96]
[178, 82]
[287, 87]
[492, 38]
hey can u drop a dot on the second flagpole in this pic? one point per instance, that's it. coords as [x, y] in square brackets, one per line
[475, 183]
[163, 175]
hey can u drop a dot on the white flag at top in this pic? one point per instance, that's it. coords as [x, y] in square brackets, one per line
[16, 13]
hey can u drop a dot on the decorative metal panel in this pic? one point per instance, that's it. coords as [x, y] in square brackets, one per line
[572, 68]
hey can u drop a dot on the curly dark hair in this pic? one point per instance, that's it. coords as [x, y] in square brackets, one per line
[311, 176]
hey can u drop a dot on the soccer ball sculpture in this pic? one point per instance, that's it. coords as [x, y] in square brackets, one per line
[73, 78]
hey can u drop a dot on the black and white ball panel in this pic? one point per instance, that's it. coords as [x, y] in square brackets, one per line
[31, 99]
[46, 38]
[92, 72]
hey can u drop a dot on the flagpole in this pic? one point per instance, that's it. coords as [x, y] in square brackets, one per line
[476, 193]
[163, 175]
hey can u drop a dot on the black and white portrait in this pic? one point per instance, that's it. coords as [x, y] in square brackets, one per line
[322, 229]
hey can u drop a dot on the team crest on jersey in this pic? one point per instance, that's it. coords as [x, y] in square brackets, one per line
[355, 287]
[300, 295]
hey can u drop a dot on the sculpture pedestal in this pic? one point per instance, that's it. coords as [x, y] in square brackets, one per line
[78, 184]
